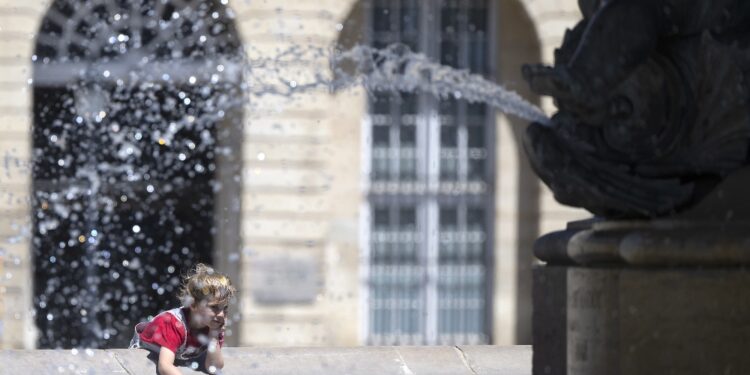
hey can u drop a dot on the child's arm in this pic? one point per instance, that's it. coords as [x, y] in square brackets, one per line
[213, 355]
[166, 363]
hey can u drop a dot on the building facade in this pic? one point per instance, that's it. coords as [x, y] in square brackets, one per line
[346, 217]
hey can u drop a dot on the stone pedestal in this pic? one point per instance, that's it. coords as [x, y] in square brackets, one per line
[639, 321]
[661, 296]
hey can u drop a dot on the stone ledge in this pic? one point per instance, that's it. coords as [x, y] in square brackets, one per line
[408, 360]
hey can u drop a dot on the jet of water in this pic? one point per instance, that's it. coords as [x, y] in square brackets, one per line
[397, 68]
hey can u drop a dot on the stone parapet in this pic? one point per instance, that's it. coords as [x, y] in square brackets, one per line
[430, 360]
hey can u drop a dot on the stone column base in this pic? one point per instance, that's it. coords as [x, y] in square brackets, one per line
[625, 320]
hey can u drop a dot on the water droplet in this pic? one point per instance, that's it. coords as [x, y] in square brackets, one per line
[136, 229]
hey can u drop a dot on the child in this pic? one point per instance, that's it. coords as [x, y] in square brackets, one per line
[194, 330]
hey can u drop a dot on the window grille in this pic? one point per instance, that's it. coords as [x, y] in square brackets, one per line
[431, 183]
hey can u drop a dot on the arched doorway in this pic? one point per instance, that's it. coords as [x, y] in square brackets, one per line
[137, 106]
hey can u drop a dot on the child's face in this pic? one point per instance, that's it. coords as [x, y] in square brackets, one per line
[211, 313]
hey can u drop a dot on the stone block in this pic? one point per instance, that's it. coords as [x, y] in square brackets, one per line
[641, 321]
[59, 362]
[443, 360]
[367, 360]
[549, 320]
[313, 361]
[136, 361]
[486, 359]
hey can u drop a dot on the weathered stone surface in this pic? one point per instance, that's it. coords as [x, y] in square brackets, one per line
[486, 360]
[593, 337]
[553, 247]
[628, 321]
[590, 246]
[443, 360]
[549, 320]
[315, 361]
[59, 362]
[135, 361]
[666, 242]
[688, 245]
[279, 361]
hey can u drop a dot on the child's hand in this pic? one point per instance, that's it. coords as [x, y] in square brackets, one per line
[217, 327]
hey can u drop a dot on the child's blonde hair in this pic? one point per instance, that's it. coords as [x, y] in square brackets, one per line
[203, 283]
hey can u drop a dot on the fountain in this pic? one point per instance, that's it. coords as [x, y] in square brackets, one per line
[652, 136]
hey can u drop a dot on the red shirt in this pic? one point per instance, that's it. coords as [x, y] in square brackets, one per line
[169, 329]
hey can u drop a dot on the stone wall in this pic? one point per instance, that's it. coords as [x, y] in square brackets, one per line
[18, 23]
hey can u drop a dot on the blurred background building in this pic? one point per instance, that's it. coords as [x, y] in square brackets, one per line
[346, 217]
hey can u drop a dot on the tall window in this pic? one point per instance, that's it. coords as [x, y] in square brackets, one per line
[431, 184]
[131, 99]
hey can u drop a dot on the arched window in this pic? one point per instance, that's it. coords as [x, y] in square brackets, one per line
[137, 106]
[431, 185]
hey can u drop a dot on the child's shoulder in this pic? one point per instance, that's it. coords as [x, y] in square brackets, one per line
[174, 317]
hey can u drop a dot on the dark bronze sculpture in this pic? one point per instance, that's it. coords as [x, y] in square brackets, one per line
[654, 105]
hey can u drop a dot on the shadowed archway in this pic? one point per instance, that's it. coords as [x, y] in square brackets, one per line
[137, 106]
